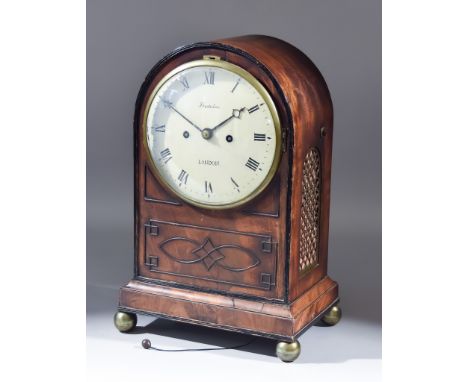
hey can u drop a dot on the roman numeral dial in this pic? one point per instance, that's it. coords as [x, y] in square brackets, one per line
[182, 178]
[184, 83]
[208, 187]
[209, 78]
[252, 164]
[212, 134]
[236, 186]
[253, 109]
[236, 85]
[159, 129]
[166, 155]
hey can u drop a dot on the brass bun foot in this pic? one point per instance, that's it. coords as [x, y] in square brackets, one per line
[288, 351]
[333, 316]
[124, 321]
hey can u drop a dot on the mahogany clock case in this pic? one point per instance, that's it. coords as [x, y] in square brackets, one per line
[270, 278]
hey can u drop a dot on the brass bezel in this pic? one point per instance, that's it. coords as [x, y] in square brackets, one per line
[268, 101]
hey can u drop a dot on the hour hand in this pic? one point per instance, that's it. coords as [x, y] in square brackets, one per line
[235, 114]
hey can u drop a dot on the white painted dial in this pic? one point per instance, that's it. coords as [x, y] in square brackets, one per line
[213, 134]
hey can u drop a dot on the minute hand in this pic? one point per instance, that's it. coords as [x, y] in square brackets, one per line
[235, 114]
[184, 117]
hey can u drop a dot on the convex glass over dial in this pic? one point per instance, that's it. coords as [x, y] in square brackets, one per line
[213, 134]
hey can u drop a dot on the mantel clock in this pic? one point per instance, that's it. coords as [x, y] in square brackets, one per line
[233, 143]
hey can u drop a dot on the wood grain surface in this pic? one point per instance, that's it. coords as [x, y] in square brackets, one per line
[257, 287]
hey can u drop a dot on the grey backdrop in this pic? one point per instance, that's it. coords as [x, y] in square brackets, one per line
[343, 38]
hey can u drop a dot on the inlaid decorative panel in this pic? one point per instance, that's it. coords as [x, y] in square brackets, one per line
[310, 211]
[225, 257]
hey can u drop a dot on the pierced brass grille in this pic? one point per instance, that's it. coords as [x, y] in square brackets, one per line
[310, 212]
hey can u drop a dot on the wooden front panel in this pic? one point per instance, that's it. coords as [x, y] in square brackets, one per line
[222, 257]
[241, 251]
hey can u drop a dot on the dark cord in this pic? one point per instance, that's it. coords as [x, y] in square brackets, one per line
[146, 343]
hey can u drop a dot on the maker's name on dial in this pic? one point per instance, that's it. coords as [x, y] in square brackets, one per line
[208, 162]
[208, 106]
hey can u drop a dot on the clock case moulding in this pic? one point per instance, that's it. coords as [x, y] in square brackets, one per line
[283, 233]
